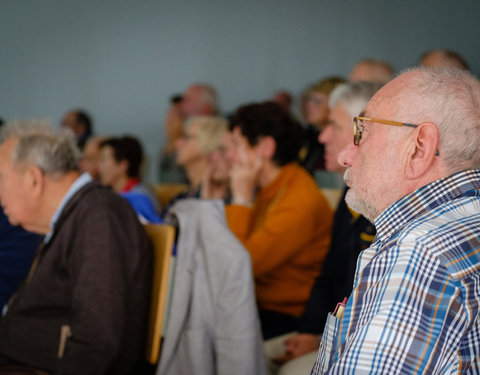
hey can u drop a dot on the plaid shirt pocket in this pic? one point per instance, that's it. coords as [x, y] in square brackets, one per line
[327, 342]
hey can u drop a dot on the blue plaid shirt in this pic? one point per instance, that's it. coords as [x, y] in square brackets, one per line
[415, 304]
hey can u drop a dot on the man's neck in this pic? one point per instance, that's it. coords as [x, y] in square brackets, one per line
[55, 190]
[119, 184]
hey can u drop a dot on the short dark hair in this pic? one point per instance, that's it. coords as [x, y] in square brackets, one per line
[85, 119]
[126, 148]
[269, 119]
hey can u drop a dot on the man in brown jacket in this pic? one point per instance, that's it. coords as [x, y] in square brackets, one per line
[83, 307]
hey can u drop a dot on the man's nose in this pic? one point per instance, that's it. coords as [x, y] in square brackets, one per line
[324, 136]
[345, 156]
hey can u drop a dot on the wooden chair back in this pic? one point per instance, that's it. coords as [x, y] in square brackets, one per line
[163, 238]
[165, 192]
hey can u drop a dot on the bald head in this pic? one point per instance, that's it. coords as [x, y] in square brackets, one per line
[199, 99]
[450, 99]
[371, 70]
[443, 58]
[437, 113]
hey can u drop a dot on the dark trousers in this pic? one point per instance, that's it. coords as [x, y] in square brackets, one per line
[275, 324]
[20, 370]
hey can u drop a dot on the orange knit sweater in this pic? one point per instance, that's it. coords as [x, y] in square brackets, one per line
[287, 232]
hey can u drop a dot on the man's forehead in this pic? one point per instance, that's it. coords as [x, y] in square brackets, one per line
[382, 102]
[6, 153]
[338, 110]
[7, 146]
[193, 91]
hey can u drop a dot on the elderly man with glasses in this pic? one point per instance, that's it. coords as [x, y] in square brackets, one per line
[415, 306]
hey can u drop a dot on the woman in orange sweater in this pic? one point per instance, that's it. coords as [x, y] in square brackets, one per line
[286, 226]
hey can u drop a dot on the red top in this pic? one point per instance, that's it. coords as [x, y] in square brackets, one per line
[131, 183]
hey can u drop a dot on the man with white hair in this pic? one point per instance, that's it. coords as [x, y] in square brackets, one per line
[413, 170]
[199, 99]
[83, 306]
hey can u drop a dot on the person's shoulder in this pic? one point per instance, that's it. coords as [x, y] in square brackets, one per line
[299, 178]
[95, 197]
[303, 187]
[448, 235]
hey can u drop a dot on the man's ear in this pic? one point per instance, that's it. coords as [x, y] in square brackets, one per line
[422, 150]
[267, 147]
[34, 180]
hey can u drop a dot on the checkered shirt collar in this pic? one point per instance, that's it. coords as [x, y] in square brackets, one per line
[424, 199]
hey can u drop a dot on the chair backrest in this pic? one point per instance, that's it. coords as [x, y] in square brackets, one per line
[165, 192]
[163, 238]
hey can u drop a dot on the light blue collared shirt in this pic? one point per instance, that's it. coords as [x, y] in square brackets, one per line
[80, 182]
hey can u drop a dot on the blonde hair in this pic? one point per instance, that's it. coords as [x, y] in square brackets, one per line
[326, 85]
[210, 131]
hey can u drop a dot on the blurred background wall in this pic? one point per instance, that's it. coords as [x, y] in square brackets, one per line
[122, 59]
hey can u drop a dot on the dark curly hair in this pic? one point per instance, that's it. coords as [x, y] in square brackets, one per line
[257, 120]
[126, 148]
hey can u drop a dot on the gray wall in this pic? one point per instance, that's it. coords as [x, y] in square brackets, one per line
[122, 59]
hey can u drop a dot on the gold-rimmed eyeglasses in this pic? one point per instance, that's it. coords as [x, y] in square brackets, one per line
[358, 127]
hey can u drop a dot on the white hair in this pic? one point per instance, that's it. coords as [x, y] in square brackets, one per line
[54, 152]
[449, 98]
[353, 96]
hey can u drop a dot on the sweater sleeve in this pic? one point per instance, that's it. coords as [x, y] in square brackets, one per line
[238, 218]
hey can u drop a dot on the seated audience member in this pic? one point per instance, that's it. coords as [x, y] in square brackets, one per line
[277, 212]
[91, 157]
[351, 233]
[170, 172]
[371, 70]
[84, 305]
[315, 113]
[119, 167]
[202, 136]
[443, 57]
[414, 308]
[200, 99]
[80, 123]
[17, 248]
[216, 182]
